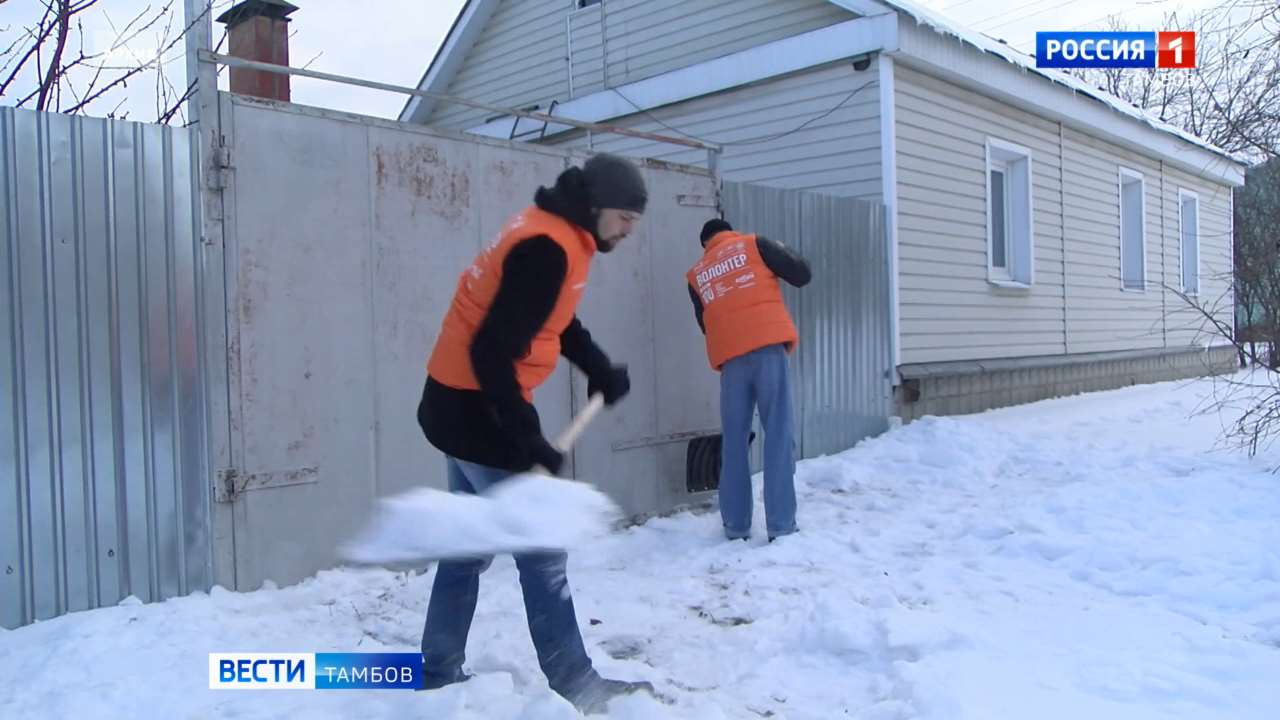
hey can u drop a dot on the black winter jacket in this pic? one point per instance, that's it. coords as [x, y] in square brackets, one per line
[494, 426]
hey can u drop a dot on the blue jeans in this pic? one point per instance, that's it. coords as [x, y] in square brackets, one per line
[757, 378]
[548, 605]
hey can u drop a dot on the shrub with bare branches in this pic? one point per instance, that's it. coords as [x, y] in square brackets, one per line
[1253, 397]
[1232, 98]
[51, 63]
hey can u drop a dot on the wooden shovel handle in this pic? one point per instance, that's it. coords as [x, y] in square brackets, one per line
[571, 433]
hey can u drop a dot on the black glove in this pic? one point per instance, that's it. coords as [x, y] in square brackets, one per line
[543, 453]
[520, 420]
[613, 382]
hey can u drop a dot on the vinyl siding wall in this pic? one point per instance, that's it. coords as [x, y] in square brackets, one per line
[949, 311]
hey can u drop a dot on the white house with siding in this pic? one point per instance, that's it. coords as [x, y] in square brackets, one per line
[1041, 231]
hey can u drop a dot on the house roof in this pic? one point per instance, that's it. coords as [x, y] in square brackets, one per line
[945, 26]
[460, 37]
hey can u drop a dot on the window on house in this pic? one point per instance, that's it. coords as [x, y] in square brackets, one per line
[1010, 238]
[1189, 225]
[1133, 249]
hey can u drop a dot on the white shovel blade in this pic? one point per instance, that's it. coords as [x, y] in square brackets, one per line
[525, 513]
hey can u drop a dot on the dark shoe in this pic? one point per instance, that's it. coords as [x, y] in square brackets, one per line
[437, 681]
[594, 698]
[775, 536]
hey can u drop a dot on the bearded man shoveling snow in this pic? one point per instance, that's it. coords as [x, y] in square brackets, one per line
[512, 317]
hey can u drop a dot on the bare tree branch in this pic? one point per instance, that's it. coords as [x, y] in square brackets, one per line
[312, 60]
[12, 46]
[122, 41]
[1232, 98]
[67, 76]
[41, 33]
[55, 64]
[167, 117]
[123, 79]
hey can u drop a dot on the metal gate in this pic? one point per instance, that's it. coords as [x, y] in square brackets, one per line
[344, 238]
[841, 381]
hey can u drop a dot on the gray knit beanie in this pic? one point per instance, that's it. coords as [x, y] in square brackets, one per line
[613, 182]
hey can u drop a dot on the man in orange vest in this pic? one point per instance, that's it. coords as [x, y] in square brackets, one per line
[512, 316]
[738, 304]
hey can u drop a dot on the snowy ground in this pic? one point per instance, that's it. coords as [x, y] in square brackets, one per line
[1082, 558]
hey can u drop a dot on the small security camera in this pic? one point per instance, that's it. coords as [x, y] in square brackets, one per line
[862, 62]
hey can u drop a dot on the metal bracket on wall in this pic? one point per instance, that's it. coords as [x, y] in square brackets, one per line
[230, 484]
[696, 201]
[663, 439]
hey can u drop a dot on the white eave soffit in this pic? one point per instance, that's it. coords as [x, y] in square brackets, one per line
[818, 47]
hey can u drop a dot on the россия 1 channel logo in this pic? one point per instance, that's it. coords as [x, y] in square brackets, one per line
[1116, 50]
[315, 671]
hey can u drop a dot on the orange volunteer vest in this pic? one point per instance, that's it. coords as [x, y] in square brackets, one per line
[450, 361]
[742, 302]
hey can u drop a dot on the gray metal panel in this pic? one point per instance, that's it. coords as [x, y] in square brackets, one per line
[637, 308]
[302, 315]
[354, 259]
[421, 242]
[840, 371]
[418, 248]
[15, 550]
[617, 310]
[102, 444]
[846, 361]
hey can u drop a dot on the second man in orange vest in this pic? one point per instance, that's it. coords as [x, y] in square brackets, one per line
[737, 301]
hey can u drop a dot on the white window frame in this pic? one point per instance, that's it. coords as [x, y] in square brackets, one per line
[1019, 271]
[1125, 172]
[1183, 196]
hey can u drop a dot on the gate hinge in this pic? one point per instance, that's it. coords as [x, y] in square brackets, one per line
[219, 163]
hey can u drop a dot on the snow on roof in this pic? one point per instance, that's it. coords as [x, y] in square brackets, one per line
[946, 26]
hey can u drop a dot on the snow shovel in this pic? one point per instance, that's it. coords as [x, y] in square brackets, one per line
[529, 512]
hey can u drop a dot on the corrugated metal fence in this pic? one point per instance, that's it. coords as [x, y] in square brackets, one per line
[840, 373]
[104, 440]
[102, 437]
